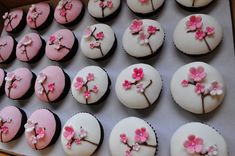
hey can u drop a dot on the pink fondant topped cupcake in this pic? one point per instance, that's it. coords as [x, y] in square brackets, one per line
[7, 48]
[42, 129]
[62, 45]
[69, 12]
[30, 48]
[14, 20]
[19, 83]
[39, 15]
[12, 120]
[52, 84]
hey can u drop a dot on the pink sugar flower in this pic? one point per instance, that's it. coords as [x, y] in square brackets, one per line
[52, 38]
[63, 12]
[87, 32]
[4, 129]
[51, 87]
[140, 88]
[141, 135]
[100, 35]
[126, 84]
[41, 77]
[200, 35]
[69, 145]
[90, 77]
[128, 153]
[40, 132]
[79, 83]
[136, 26]
[210, 30]
[78, 141]
[216, 88]
[102, 4]
[87, 94]
[143, 38]
[95, 89]
[197, 74]
[143, 1]
[110, 4]
[82, 133]
[152, 29]
[193, 144]
[6, 14]
[69, 132]
[138, 74]
[185, 83]
[199, 88]
[123, 138]
[194, 23]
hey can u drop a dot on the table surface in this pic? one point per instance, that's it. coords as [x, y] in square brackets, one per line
[165, 116]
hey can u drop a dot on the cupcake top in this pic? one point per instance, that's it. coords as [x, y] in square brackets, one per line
[198, 87]
[6, 48]
[50, 83]
[138, 86]
[133, 136]
[103, 8]
[197, 34]
[11, 120]
[194, 3]
[81, 135]
[68, 11]
[38, 14]
[144, 6]
[60, 44]
[143, 38]
[12, 19]
[18, 82]
[90, 85]
[97, 41]
[28, 47]
[2, 77]
[40, 129]
[197, 139]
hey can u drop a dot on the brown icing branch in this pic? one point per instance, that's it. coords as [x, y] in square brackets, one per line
[193, 3]
[99, 46]
[152, 5]
[25, 52]
[149, 43]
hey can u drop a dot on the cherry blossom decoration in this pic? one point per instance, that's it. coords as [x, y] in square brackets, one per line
[141, 138]
[138, 76]
[147, 2]
[90, 34]
[43, 89]
[81, 85]
[34, 14]
[36, 133]
[64, 6]
[25, 42]
[11, 82]
[56, 42]
[196, 76]
[137, 28]
[195, 25]
[195, 145]
[3, 128]
[2, 44]
[9, 17]
[71, 136]
[103, 4]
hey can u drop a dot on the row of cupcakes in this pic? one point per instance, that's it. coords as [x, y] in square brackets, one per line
[69, 12]
[197, 87]
[83, 134]
[196, 34]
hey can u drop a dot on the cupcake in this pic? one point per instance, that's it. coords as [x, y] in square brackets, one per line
[198, 88]
[12, 120]
[197, 34]
[194, 4]
[19, 84]
[39, 16]
[138, 86]
[143, 38]
[2, 81]
[30, 48]
[145, 7]
[98, 41]
[14, 21]
[197, 139]
[103, 10]
[61, 46]
[82, 135]
[133, 136]
[69, 12]
[42, 129]
[91, 85]
[7, 49]
[52, 84]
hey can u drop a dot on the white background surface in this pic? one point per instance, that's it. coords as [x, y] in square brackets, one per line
[165, 116]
